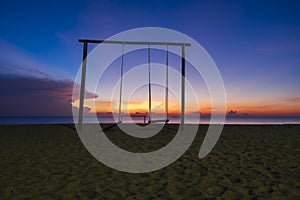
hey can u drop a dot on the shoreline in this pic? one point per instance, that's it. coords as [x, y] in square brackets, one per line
[176, 120]
[177, 124]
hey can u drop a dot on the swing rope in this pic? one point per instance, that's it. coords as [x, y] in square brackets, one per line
[149, 84]
[121, 84]
[167, 88]
[167, 84]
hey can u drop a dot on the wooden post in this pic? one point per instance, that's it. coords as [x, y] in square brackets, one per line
[82, 85]
[182, 84]
[149, 78]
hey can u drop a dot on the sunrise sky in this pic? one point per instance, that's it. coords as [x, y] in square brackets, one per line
[255, 44]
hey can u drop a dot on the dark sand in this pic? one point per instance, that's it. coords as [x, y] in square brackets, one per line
[248, 162]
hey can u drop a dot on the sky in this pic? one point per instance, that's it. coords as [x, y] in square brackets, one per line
[255, 44]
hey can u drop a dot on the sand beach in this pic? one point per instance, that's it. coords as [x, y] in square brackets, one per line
[248, 162]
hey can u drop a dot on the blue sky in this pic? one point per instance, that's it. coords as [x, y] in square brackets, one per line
[255, 44]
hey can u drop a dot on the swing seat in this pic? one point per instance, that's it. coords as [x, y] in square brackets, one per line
[158, 120]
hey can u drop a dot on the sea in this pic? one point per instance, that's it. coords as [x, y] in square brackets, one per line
[173, 120]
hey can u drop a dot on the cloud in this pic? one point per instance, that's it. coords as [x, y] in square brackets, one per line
[293, 99]
[17, 61]
[31, 88]
[33, 96]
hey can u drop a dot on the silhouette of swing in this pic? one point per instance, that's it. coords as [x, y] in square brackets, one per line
[150, 120]
[149, 86]
[166, 92]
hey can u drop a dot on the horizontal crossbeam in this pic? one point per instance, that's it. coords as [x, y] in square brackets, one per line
[134, 42]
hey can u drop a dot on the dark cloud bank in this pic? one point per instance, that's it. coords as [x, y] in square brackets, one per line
[31, 96]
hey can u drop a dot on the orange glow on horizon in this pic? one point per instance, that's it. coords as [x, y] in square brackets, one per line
[174, 108]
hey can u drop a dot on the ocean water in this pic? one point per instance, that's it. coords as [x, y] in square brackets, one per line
[174, 120]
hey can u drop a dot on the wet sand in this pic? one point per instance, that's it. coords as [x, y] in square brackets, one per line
[248, 162]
